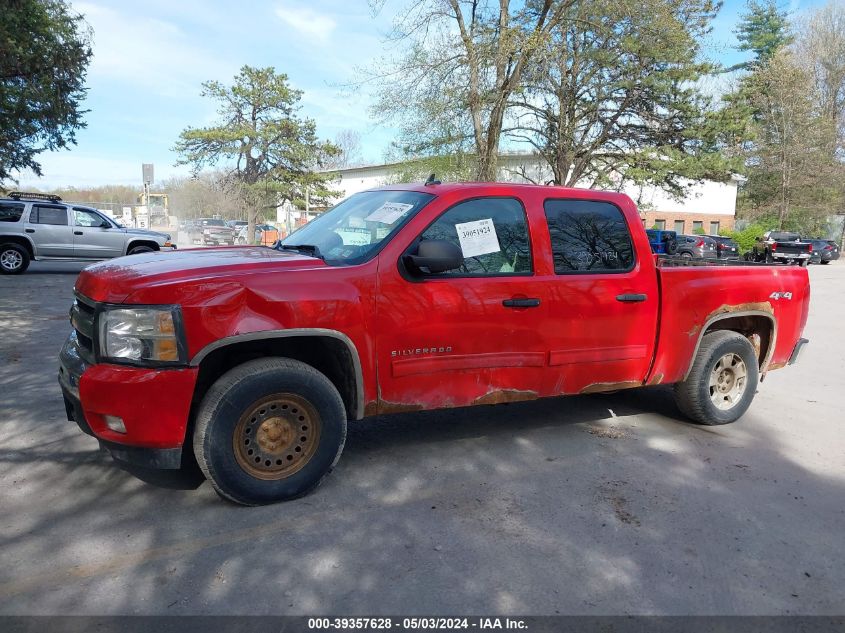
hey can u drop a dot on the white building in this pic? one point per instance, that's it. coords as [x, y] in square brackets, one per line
[709, 206]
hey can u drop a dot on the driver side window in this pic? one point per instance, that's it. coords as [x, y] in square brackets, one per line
[87, 218]
[492, 234]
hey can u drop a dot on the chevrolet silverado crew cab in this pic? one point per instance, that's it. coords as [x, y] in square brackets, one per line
[41, 226]
[407, 298]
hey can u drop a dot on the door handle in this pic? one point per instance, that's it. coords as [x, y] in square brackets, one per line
[632, 298]
[30, 230]
[78, 233]
[521, 303]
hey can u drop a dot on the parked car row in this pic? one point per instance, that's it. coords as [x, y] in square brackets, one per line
[772, 247]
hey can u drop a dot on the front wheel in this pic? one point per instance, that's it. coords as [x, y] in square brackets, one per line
[722, 381]
[14, 259]
[139, 249]
[825, 262]
[269, 430]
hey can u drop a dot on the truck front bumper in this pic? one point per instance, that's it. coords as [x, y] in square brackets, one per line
[139, 415]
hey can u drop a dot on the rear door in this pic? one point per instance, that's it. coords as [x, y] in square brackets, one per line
[94, 236]
[603, 302]
[50, 230]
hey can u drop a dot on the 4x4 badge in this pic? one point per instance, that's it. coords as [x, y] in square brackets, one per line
[780, 295]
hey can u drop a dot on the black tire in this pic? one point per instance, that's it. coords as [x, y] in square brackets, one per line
[803, 263]
[140, 249]
[226, 410]
[671, 247]
[694, 396]
[686, 255]
[825, 262]
[14, 259]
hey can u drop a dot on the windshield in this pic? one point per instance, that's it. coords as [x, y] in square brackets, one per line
[213, 223]
[355, 229]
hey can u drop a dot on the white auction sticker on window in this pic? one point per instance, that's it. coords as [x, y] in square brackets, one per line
[389, 212]
[478, 238]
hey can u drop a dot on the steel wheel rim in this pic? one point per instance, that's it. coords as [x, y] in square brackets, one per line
[276, 436]
[11, 259]
[728, 381]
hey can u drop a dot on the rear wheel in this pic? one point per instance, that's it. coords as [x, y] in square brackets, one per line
[722, 381]
[14, 259]
[269, 430]
[803, 263]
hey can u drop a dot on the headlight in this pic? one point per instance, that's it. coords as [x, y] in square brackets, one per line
[141, 334]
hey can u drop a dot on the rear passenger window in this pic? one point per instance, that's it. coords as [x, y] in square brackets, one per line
[10, 211]
[588, 236]
[500, 249]
[48, 215]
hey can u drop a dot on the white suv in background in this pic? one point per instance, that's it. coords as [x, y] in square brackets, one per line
[39, 226]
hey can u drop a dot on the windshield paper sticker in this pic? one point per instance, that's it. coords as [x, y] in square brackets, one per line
[478, 238]
[389, 212]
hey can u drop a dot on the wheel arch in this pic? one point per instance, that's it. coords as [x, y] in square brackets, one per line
[142, 242]
[19, 239]
[328, 351]
[748, 323]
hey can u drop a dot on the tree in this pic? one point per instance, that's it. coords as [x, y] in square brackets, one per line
[792, 174]
[615, 95]
[450, 90]
[268, 152]
[349, 154]
[821, 50]
[763, 30]
[44, 54]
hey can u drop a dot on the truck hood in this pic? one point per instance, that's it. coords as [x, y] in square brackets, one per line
[112, 281]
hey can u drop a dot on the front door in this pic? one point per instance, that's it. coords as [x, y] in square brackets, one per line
[603, 305]
[50, 230]
[467, 336]
[94, 236]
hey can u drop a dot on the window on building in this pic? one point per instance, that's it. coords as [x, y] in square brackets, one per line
[714, 228]
[660, 224]
[10, 211]
[48, 215]
[680, 225]
[588, 236]
[697, 226]
[509, 250]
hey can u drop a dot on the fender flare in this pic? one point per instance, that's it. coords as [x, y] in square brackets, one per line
[294, 333]
[14, 237]
[729, 315]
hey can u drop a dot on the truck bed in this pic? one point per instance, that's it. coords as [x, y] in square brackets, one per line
[694, 296]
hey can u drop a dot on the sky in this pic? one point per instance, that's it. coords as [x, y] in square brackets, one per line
[151, 57]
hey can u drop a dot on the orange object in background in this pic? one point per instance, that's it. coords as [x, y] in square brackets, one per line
[268, 238]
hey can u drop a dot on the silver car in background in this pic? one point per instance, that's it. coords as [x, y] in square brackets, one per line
[42, 227]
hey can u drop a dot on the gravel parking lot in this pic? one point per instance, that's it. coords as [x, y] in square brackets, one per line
[602, 504]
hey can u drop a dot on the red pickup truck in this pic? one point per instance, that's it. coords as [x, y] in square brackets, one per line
[406, 298]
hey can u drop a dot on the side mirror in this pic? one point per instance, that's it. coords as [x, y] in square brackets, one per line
[437, 256]
[105, 225]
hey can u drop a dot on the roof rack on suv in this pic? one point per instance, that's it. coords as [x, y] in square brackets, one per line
[17, 195]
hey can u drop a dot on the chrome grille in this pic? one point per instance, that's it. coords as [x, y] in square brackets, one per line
[82, 315]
